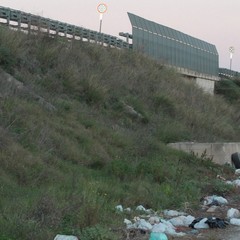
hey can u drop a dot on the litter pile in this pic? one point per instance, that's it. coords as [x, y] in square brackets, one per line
[178, 224]
[161, 225]
[174, 223]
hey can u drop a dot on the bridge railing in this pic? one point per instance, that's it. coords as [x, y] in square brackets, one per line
[33, 23]
[224, 72]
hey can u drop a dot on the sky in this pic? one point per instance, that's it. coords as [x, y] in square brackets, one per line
[214, 21]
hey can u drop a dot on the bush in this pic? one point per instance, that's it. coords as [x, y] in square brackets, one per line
[7, 59]
[229, 89]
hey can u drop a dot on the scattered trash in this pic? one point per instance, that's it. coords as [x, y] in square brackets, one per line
[143, 224]
[237, 171]
[128, 209]
[173, 213]
[159, 228]
[169, 228]
[141, 208]
[119, 208]
[182, 220]
[178, 224]
[214, 200]
[220, 177]
[214, 222]
[212, 209]
[210, 222]
[235, 221]
[199, 223]
[128, 223]
[154, 220]
[236, 182]
[233, 213]
[139, 224]
[65, 237]
[158, 236]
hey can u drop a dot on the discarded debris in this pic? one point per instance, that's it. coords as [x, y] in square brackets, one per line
[173, 213]
[65, 237]
[214, 222]
[209, 222]
[237, 171]
[119, 208]
[199, 223]
[168, 228]
[158, 236]
[214, 200]
[143, 209]
[139, 224]
[154, 220]
[233, 213]
[182, 220]
[212, 209]
[235, 183]
[235, 221]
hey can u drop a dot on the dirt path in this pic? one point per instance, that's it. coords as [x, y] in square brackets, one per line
[229, 233]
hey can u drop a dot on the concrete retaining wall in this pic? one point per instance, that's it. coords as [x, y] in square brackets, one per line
[219, 152]
[206, 84]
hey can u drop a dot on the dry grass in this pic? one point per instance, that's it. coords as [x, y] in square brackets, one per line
[67, 168]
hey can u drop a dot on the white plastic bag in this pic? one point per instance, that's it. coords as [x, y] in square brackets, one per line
[154, 220]
[215, 199]
[235, 221]
[159, 228]
[119, 208]
[65, 237]
[182, 220]
[173, 213]
[201, 224]
[143, 224]
[233, 213]
[141, 208]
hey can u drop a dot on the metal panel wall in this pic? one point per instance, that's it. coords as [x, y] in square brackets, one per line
[173, 47]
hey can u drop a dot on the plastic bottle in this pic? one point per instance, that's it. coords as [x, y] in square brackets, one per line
[158, 236]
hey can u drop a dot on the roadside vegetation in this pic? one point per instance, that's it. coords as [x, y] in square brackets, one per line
[89, 130]
[229, 88]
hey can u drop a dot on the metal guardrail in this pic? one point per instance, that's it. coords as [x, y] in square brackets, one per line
[224, 72]
[33, 23]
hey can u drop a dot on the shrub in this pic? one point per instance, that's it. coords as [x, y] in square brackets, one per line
[97, 233]
[7, 59]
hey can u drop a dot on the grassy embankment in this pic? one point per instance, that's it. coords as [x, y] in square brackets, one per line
[103, 141]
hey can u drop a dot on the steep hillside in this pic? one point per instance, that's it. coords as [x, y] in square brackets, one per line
[84, 128]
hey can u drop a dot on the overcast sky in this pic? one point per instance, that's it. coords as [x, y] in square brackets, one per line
[214, 21]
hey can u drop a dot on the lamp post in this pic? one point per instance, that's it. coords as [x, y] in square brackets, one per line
[231, 51]
[102, 8]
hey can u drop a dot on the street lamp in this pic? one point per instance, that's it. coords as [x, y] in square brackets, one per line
[102, 8]
[231, 51]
